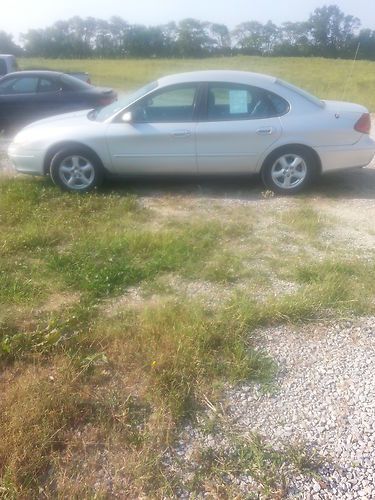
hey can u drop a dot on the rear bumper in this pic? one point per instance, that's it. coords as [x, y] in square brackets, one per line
[340, 157]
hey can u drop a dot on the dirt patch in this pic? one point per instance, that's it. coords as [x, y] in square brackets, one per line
[57, 302]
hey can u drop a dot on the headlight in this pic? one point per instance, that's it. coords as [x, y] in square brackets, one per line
[20, 139]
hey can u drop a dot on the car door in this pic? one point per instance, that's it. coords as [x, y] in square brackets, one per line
[160, 136]
[17, 98]
[49, 96]
[239, 123]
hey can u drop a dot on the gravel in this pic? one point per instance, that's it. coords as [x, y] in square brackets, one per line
[324, 397]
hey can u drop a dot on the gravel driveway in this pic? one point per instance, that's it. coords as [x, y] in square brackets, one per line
[325, 397]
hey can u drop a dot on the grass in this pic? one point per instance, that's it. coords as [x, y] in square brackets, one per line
[304, 220]
[121, 314]
[327, 78]
[263, 469]
[75, 369]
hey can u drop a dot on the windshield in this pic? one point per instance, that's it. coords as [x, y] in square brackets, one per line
[102, 114]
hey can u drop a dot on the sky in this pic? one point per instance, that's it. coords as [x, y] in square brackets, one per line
[21, 15]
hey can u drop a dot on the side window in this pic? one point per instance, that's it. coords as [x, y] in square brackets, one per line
[25, 85]
[170, 105]
[281, 105]
[5, 85]
[13, 64]
[241, 102]
[3, 67]
[47, 85]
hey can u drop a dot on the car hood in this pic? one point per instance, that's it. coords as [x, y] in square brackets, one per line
[56, 119]
[59, 127]
[343, 107]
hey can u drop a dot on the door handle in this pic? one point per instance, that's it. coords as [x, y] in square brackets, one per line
[181, 133]
[265, 131]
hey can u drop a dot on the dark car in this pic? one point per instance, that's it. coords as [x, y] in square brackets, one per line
[27, 96]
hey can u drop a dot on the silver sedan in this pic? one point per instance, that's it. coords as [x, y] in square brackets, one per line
[201, 123]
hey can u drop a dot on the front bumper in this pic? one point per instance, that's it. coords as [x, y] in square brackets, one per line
[26, 161]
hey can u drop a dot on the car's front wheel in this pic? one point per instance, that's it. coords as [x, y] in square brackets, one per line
[289, 170]
[76, 170]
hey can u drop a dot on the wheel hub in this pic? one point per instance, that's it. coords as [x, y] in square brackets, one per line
[76, 172]
[289, 171]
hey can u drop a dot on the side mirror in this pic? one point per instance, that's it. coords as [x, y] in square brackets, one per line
[127, 117]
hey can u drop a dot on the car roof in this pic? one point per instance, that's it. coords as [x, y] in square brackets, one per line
[245, 77]
[35, 73]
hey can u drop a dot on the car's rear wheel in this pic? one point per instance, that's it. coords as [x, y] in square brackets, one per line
[76, 170]
[289, 170]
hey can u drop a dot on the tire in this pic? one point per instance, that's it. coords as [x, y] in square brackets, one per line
[76, 169]
[289, 170]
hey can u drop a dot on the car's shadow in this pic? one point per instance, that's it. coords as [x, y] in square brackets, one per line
[234, 187]
[347, 184]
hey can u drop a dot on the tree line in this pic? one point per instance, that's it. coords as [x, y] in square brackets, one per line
[328, 32]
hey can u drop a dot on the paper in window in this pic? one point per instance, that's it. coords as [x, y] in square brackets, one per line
[237, 101]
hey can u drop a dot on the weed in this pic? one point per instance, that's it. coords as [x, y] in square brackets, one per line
[305, 220]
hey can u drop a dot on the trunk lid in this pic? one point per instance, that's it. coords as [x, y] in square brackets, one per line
[344, 107]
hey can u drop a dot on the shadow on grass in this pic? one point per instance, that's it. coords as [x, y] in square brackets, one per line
[233, 187]
[346, 184]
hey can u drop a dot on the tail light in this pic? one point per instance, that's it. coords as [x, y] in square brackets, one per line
[363, 125]
[104, 101]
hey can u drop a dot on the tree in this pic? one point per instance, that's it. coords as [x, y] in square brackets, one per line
[7, 46]
[193, 39]
[256, 38]
[328, 32]
[220, 36]
[366, 40]
[72, 38]
[293, 40]
[332, 32]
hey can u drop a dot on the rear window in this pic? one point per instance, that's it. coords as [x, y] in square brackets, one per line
[71, 83]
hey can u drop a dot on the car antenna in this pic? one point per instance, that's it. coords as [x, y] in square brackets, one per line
[351, 72]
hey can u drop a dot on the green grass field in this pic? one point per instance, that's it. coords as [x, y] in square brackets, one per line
[326, 78]
[124, 310]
